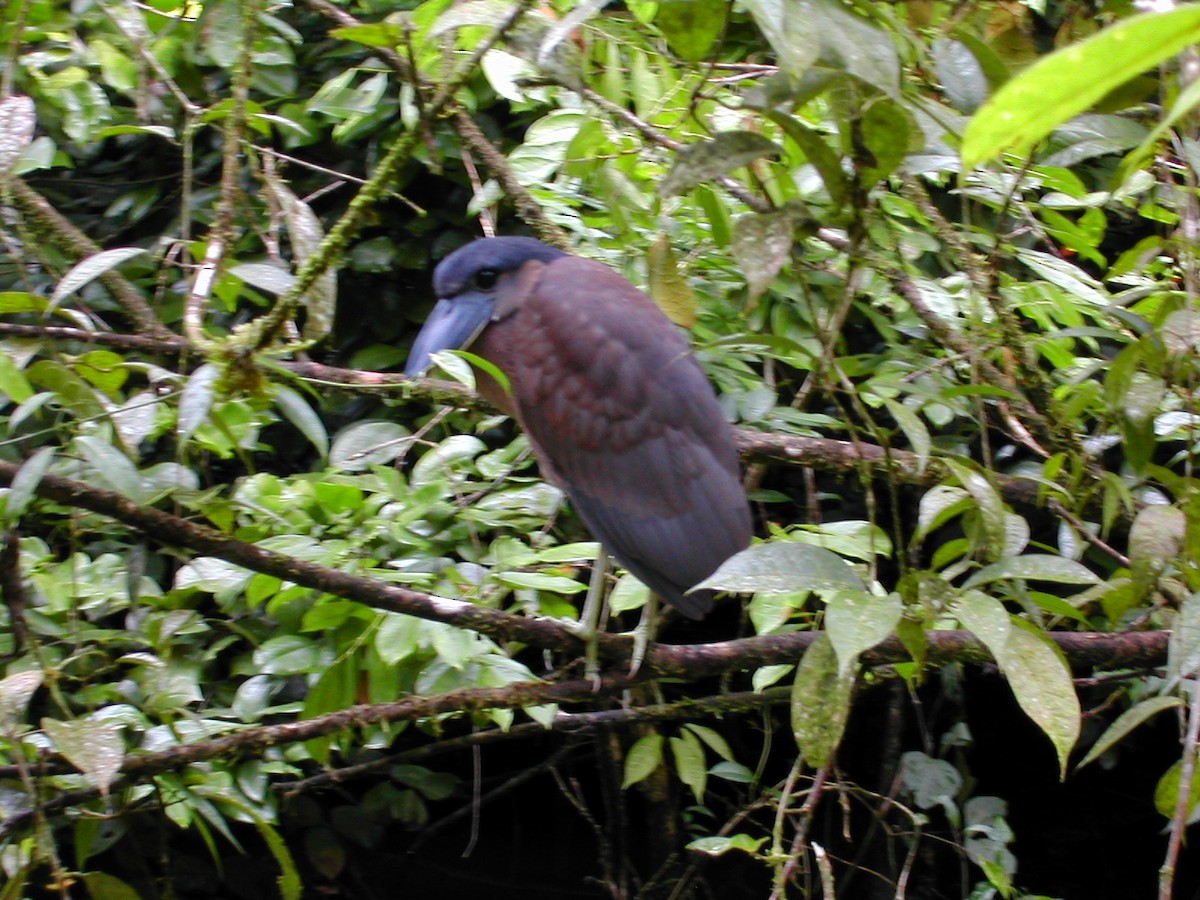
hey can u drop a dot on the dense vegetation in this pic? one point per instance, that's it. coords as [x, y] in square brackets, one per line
[277, 621]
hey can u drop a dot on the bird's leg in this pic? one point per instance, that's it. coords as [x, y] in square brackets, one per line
[595, 608]
[644, 633]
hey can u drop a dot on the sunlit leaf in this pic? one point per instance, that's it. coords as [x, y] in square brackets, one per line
[367, 443]
[1070, 80]
[16, 690]
[95, 748]
[196, 400]
[783, 566]
[90, 269]
[857, 621]
[643, 758]
[666, 285]
[689, 763]
[1039, 678]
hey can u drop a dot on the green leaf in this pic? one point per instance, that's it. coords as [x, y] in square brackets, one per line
[1035, 566]
[376, 34]
[445, 457]
[1127, 722]
[304, 417]
[881, 138]
[691, 27]
[1069, 81]
[111, 467]
[763, 243]
[91, 268]
[705, 160]
[1166, 792]
[715, 846]
[290, 884]
[765, 676]
[914, 429]
[689, 763]
[16, 690]
[13, 383]
[72, 391]
[104, 369]
[102, 886]
[797, 44]
[269, 277]
[987, 501]
[818, 152]
[305, 233]
[821, 696]
[538, 581]
[783, 566]
[1039, 678]
[667, 287]
[94, 748]
[580, 551]
[856, 621]
[644, 757]
[938, 505]
[713, 739]
[803, 31]
[1156, 541]
[25, 482]
[196, 400]
[287, 654]
[364, 444]
[336, 688]
[960, 74]
[931, 782]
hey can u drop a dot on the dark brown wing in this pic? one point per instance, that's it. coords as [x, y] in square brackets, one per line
[625, 421]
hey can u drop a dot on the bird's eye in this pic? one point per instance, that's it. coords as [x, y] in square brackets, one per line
[485, 279]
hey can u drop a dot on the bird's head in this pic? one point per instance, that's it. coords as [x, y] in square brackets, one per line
[468, 283]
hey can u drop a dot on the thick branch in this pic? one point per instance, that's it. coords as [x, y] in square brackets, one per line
[692, 661]
[1138, 650]
[822, 454]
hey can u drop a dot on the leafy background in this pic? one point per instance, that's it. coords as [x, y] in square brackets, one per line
[938, 259]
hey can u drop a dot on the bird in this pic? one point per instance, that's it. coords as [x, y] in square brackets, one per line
[618, 411]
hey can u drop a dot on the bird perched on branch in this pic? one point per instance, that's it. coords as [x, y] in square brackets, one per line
[618, 411]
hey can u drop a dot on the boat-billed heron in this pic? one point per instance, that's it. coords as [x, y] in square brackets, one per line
[618, 411]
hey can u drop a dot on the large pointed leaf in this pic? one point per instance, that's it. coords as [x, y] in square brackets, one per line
[856, 621]
[1039, 678]
[1035, 566]
[821, 697]
[707, 159]
[94, 748]
[25, 482]
[784, 566]
[1126, 722]
[1069, 81]
[90, 269]
[644, 757]
[16, 690]
[666, 285]
[196, 400]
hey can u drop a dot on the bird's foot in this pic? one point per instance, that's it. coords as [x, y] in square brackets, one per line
[643, 635]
